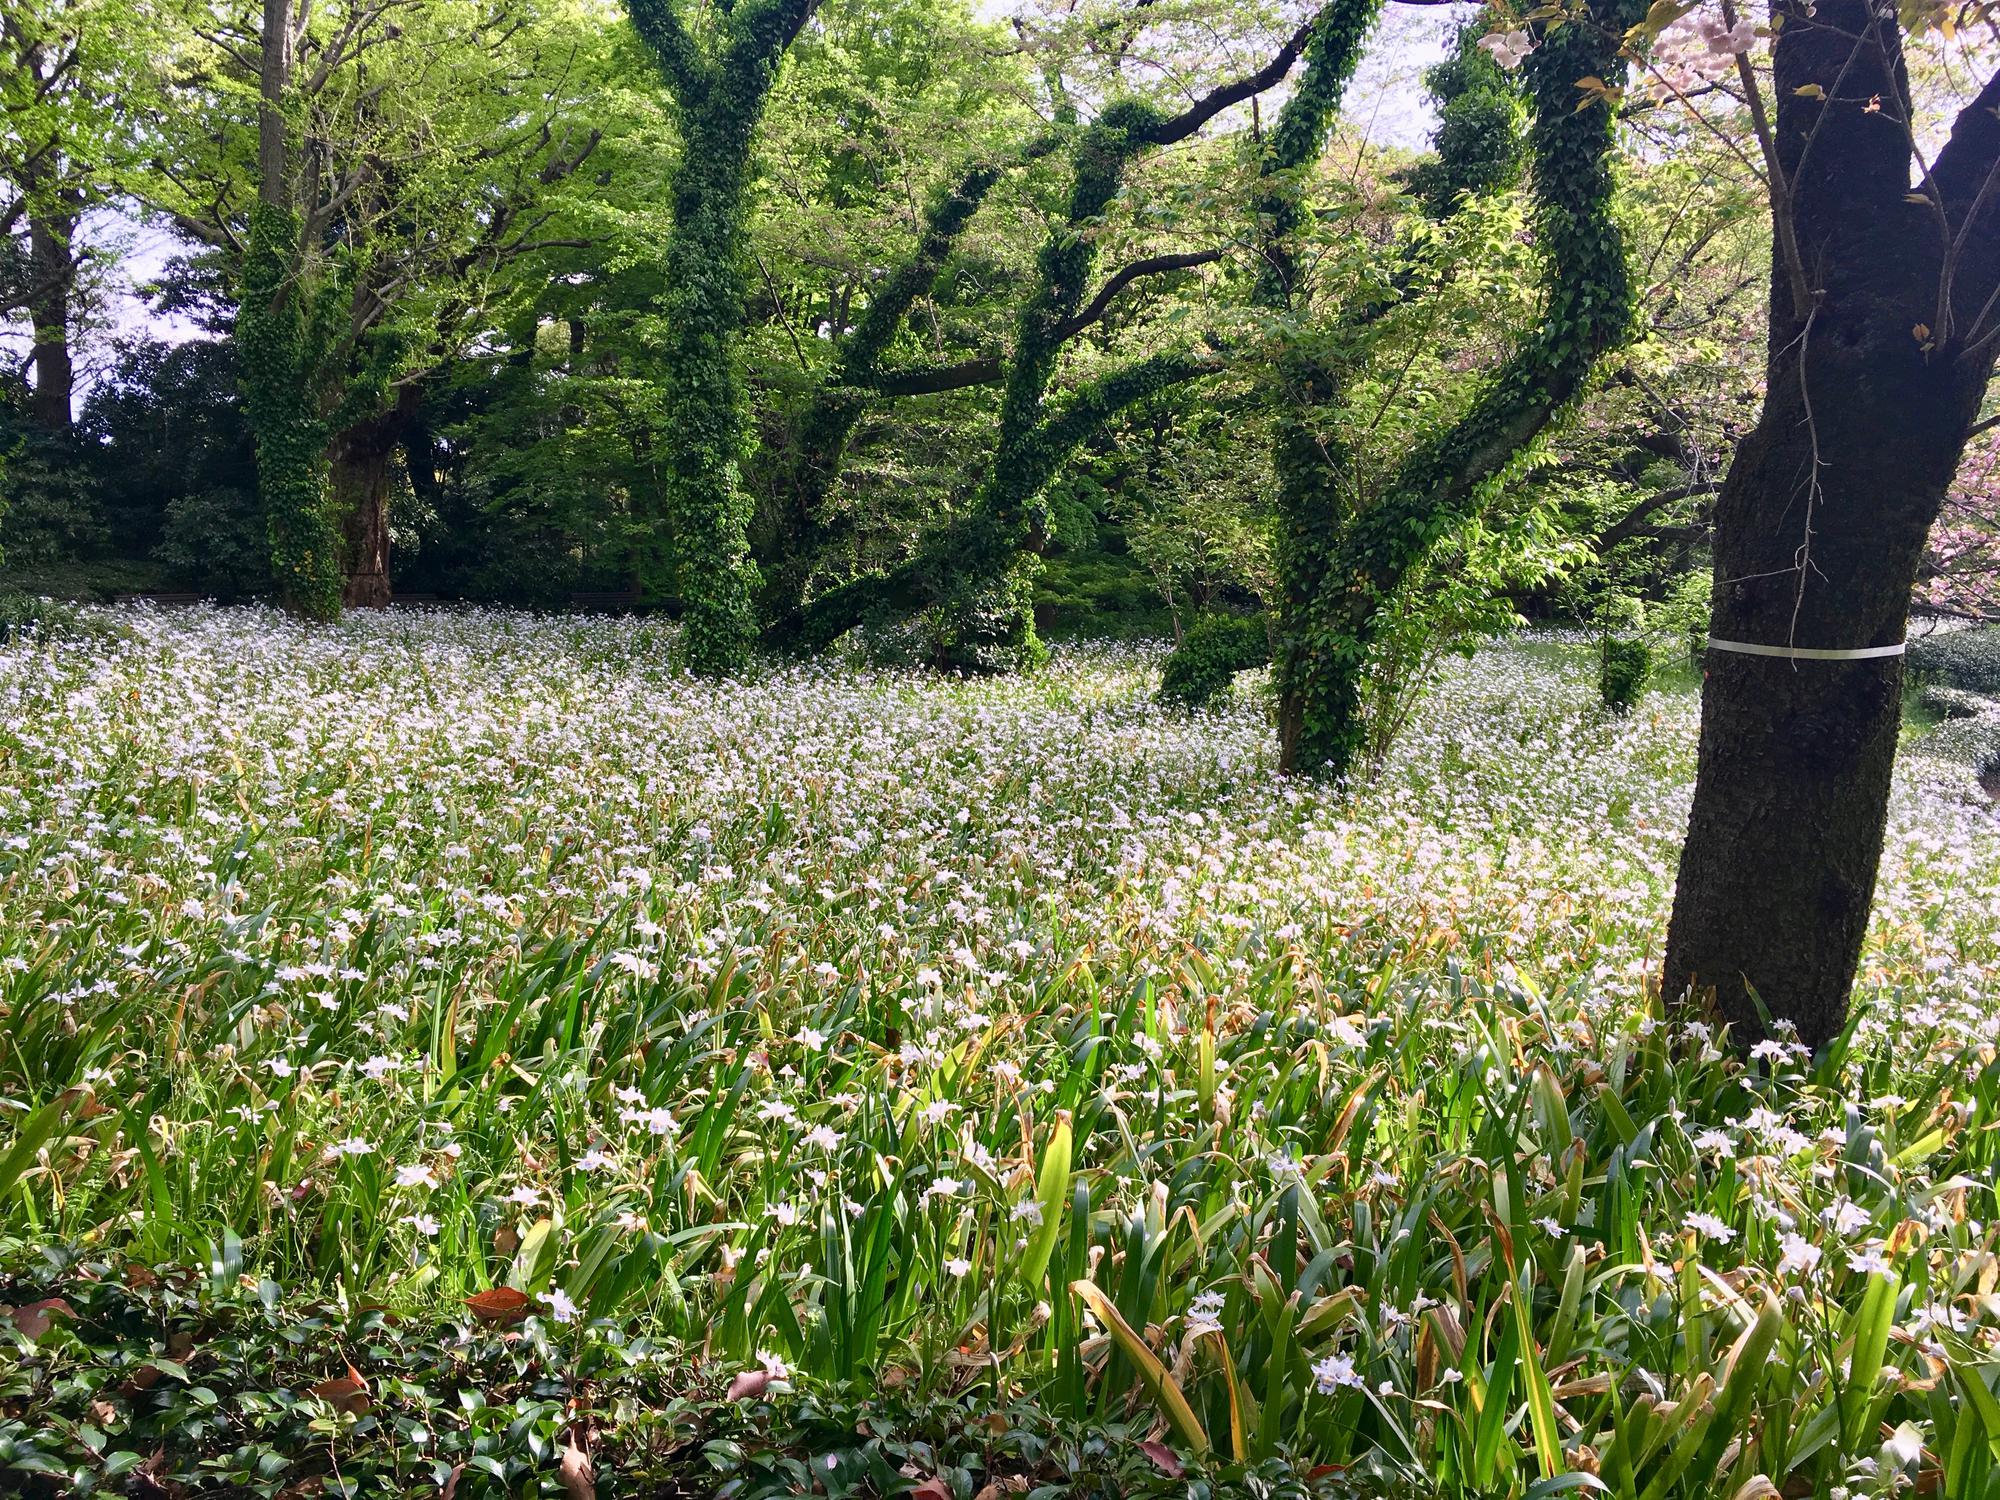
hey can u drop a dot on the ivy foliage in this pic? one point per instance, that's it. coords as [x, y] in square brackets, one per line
[1480, 146]
[281, 343]
[993, 552]
[1215, 648]
[720, 92]
[1623, 665]
[1343, 562]
[1303, 382]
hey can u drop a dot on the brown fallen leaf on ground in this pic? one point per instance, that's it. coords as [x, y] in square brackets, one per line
[503, 1305]
[345, 1393]
[34, 1319]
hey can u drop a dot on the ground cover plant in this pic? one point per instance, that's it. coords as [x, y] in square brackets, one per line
[454, 1052]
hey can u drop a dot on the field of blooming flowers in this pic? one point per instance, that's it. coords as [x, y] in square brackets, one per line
[992, 1043]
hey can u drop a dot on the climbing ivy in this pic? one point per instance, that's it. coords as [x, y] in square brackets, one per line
[720, 95]
[1309, 461]
[1342, 562]
[830, 419]
[279, 338]
[1479, 145]
[978, 574]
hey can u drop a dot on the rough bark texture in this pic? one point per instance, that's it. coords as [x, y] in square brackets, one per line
[359, 464]
[1873, 386]
[52, 277]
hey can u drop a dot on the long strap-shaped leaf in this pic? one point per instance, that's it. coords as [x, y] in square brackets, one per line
[1152, 1374]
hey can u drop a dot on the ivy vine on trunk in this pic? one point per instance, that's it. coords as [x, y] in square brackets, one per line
[1342, 563]
[720, 95]
[978, 573]
[275, 346]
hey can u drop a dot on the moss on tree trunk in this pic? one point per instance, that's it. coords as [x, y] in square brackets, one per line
[1341, 561]
[280, 401]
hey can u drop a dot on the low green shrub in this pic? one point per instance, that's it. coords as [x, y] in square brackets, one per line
[125, 1379]
[1624, 664]
[1964, 659]
[1215, 648]
[1952, 703]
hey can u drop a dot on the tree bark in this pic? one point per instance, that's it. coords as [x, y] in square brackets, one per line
[275, 55]
[359, 465]
[52, 279]
[1821, 525]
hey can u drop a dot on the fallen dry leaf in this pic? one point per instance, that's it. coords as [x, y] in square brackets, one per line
[34, 1319]
[345, 1393]
[502, 1305]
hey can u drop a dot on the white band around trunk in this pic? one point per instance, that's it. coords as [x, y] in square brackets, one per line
[1802, 653]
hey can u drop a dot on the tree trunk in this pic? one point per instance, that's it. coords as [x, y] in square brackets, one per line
[707, 513]
[1341, 566]
[1818, 534]
[52, 277]
[359, 464]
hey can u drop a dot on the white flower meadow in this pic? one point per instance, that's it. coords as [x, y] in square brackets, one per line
[468, 923]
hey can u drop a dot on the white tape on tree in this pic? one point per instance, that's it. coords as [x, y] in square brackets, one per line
[1806, 653]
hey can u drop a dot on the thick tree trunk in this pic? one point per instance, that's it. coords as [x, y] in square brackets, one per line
[52, 276]
[359, 464]
[707, 513]
[1818, 534]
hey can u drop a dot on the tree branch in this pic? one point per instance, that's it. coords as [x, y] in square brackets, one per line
[1634, 520]
[1156, 265]
[660, 27]
[1181, 126]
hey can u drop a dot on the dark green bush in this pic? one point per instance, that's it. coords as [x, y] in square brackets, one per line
[1098, 594]
[1214, 650]
[1965, 659]
[1623, 666]
[214, 543]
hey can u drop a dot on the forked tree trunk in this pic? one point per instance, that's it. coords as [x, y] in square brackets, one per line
[1821, 524]
[360, 474]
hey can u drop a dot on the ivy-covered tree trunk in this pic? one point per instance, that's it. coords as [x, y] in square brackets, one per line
[1346, 561]
[978, 574]
[281, 407]
[829, 420]
[1874, 377]
[701, 449]
[275, 348]
[720, 101]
